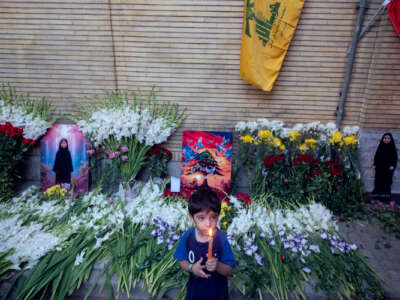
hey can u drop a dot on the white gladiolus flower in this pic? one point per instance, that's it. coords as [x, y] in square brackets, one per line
[32, 127]
[79, 258]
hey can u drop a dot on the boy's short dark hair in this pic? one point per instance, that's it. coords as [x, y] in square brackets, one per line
[204, 199]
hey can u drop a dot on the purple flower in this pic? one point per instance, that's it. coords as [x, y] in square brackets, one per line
[116, 153]
[259, 259]
[124, 149]
[116, 147]
[262, 234]
[314, 248]
[111, 155]
[306, 269]
[124, 158]
[90, 152]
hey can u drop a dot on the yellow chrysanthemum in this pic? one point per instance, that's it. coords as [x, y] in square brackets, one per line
[294, 135]
[312, 143]
[350, 140]
[336, 138]
[247, 139]
[264, 134]
[303, 148]
[282, 147]
[276, 142]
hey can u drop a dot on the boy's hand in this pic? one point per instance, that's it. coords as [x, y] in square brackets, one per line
[198, 269]
[211, 264]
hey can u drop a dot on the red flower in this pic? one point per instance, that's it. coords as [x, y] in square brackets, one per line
[11, 131]
[303, 158]
[317, 173]
[26, 141]
[244, 197]
[282, 258]
[309, 177]
[269, 161]
[341, 219]
[335, 185]
[158, 149]
[167, 193]
[287, 181]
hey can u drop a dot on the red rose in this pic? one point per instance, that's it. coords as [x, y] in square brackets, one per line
[282, 258]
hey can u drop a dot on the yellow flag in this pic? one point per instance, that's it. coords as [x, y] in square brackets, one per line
[268, 27]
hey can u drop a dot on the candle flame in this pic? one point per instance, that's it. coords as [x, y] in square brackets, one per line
[210, 232]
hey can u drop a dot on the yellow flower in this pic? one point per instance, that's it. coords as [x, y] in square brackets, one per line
[224, 208]
[247, 139]
[277, 142]
[312, 143]
[224, 223]
[55, 190]
[303, 148]
[350, 140]
[336, 138]
[294, 135]
[282, 147]
[264, 134]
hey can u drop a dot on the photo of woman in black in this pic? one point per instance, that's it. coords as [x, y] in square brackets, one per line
[63, 163]
[385, 161]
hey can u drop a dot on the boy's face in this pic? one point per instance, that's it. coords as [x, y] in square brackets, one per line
[204, 220]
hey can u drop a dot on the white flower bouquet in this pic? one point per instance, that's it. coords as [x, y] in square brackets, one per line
[126, 129]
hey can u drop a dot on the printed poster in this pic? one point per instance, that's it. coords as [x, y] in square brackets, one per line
[206, 161]
[63, 159]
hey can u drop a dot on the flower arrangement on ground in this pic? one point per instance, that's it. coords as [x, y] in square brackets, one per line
[22, 122]
[278, 250]
[122, 131]
[311, 160]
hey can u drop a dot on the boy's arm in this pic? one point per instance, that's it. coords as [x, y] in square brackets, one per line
[223, 269]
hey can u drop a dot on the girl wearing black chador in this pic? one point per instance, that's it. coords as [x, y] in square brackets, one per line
[385, 161]
[63, 163]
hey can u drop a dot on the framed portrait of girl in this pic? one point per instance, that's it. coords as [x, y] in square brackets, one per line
[63, 159]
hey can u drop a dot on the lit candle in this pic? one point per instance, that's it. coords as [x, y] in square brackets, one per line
[210, 242]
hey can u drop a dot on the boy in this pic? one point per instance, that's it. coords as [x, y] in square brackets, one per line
[208, 277]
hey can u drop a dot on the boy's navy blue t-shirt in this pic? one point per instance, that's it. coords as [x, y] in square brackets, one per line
[216, 286]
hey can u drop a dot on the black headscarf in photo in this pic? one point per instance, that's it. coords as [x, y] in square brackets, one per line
[63, 164]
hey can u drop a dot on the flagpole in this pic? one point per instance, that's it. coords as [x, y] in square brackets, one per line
[350, 62]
